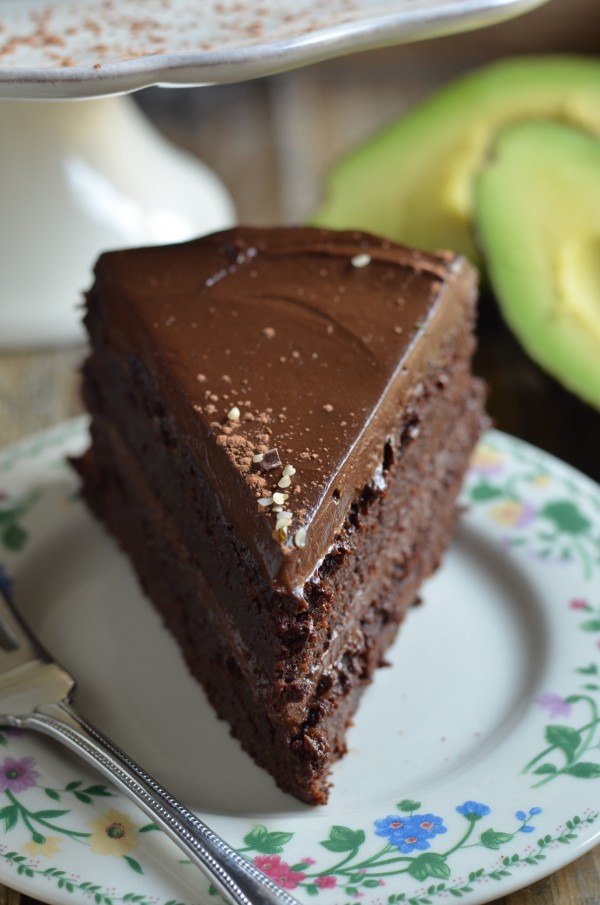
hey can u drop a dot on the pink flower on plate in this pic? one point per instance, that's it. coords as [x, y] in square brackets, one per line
[579, 604]
[279, 870]
[326, 882]
[17, 775]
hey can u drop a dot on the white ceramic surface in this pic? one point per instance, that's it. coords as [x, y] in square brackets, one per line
[473, 766]
[77, 179]
[74, 48]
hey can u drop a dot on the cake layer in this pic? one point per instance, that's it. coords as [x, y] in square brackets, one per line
[304, 340]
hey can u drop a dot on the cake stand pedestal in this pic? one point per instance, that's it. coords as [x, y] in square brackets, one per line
[76, 178]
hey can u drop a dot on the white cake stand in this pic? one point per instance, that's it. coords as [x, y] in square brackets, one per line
[79, 178]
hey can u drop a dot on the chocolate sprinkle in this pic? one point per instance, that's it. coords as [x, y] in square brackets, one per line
[270, 460]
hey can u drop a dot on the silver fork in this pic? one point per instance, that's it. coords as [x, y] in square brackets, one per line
[35, 693]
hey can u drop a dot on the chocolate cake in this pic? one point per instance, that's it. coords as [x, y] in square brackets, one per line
[281, 421]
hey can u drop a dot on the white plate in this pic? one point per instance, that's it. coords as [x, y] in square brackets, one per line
[75, 48]
[480, 745]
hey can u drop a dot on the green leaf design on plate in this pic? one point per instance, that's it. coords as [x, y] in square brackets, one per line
[494, 839]
[14, 537]
[565, 738]
[429, 864]
[10, 815]
[484, 491]
[407, 804]
[343, 839]
[566, 516]
[584, 770]
[48, 814]
[12, 534]
[591, 625]
[265, 842]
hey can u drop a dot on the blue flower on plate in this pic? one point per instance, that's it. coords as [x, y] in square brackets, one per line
[387, 826]
[427, 825]
[473, 810]
[408, 839]
[521, 815]
[410, 833]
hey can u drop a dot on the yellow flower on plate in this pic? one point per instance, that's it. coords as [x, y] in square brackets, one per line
[486, 460]
[50, 846]
[511, 514]
[542, 480]
[113, 834]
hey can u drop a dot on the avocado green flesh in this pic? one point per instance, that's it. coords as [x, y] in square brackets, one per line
[537, 215]
[413, 181]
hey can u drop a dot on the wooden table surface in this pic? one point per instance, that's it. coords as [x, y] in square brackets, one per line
[270, 141]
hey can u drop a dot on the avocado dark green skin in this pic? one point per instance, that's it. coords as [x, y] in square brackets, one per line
[413, 182]
[537, 219]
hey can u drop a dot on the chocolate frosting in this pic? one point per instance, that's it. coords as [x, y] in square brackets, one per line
[298, 340]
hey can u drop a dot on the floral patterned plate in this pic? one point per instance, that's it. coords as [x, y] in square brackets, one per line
[474, 762]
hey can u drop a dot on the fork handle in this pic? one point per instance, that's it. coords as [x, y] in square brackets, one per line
[239, 881]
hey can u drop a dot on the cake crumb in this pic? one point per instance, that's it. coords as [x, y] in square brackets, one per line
[269, 332]
[256, 483]
[327, 408]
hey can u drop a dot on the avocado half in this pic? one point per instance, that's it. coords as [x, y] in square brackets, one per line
[537, 218]
[413, 182]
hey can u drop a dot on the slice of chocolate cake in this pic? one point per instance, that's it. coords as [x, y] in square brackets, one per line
[281, 420]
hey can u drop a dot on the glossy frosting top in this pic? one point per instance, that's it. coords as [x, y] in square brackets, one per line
[298, 340]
